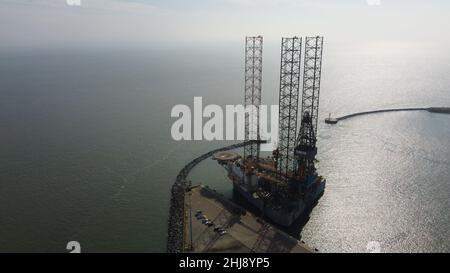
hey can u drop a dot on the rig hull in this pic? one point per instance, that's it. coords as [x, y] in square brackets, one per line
[246, 186]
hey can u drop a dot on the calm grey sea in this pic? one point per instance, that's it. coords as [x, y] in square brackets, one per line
[87, 155]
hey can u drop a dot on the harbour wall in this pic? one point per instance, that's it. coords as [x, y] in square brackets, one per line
[441, 110]
[179, 188]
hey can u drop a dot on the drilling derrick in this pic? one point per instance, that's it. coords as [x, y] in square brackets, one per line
[253, 84]
[288, 103]
[306, 149]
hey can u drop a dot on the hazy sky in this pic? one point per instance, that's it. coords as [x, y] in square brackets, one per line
[47, 23]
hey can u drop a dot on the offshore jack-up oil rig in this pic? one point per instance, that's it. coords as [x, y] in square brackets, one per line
[283, 185]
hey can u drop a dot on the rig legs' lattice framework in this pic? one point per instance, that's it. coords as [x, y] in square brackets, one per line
[253, 84]
[306, 149]
[289, 92]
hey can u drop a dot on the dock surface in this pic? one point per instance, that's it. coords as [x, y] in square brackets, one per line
[244, 231]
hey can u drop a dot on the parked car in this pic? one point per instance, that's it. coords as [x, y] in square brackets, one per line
[222, 232]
